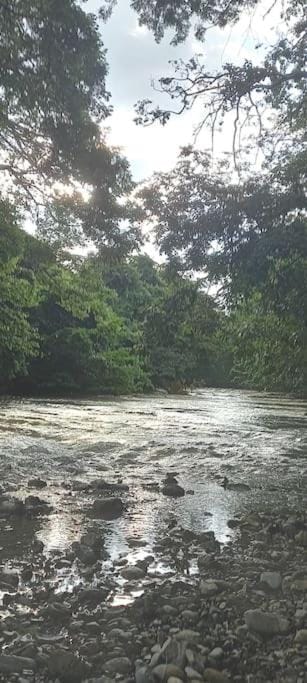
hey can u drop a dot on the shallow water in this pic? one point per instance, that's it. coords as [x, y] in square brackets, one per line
[252, 438]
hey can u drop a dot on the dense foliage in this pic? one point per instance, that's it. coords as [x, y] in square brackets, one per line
[85, 327]
[113, 320]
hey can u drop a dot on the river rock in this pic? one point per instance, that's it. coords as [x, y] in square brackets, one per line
[84, 553]
[301, 538]
[132, 573]
[266, 624]
[10, 578]
[67, 666]
[165, 671]
[208, 587]
[10, 664]
[92, 596]
[108, 508]
[301, 637]
[216, 653]
[271, 580]
[172, 650]
[188, 636]
[37, 483]
[11, 506]
[118, 665]
[299, 585]
[215, 676]
[102, 485]
[173, 490]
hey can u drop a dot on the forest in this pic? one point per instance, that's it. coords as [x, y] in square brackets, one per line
[83, 308]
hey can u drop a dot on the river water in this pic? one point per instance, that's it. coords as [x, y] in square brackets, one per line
[259, 440]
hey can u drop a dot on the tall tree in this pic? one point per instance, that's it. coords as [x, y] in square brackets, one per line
[53, 99]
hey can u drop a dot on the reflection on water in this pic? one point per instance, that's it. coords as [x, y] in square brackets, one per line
[257, 439]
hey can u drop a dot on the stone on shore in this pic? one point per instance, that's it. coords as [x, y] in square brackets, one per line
[108, 508]
[266, 624]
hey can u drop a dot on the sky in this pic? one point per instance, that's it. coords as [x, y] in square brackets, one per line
[135, 59]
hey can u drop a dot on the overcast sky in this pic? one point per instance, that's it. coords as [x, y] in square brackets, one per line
[135, 59]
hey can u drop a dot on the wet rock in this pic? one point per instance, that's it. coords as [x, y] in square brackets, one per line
[57, 612]
[301, 538]
[142, 673]
[208, 587]
[11, 506]
[37, 483]
[266, 624]
[35, 505]
[172, 650]
[118, 665]
[108, 508]
[233, 523]
[215, 676]
[93, 539]
[38, 546]
[93, 596]
[67, 666]
[163, 672]
[216, 653]
[102, 485]
[301, 637]
[271, 579]
[132, 573]
[299, 585]
[188, 636]
[173, 490]
[9, 578]
[27, 574]
[237, 486]
[84, 554]
[192, 674]
[10, 664]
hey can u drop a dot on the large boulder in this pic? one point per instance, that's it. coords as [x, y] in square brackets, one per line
[173, 490]
[13, 664]
[11, 506]
[266, 624]
[67, 667]
[108, 508]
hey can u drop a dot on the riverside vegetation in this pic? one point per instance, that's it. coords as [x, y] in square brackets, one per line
[114, 321]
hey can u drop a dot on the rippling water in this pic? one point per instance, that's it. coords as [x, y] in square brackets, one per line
[252, 438]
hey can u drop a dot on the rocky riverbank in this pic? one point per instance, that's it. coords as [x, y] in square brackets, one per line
[216, 613]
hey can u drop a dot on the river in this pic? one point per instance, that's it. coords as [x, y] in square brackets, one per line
[255, 439]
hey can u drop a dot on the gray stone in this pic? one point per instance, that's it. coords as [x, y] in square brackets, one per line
[188, 636]
[172, 650]
[10, 578]
[10, 664]
[215, 676]
[271, 579]
[301, 637]
[173, 490]
[208, 587]
[165, 671]
[216, 653]
[192, 674]
[118, 665]
[66, 666]
[132, 573]
[265, 623]
[37, 483]
[108, 508]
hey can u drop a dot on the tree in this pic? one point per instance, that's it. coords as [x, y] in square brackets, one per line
[53, 99]
[18, 295]
[231, 230]
[259, 94]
